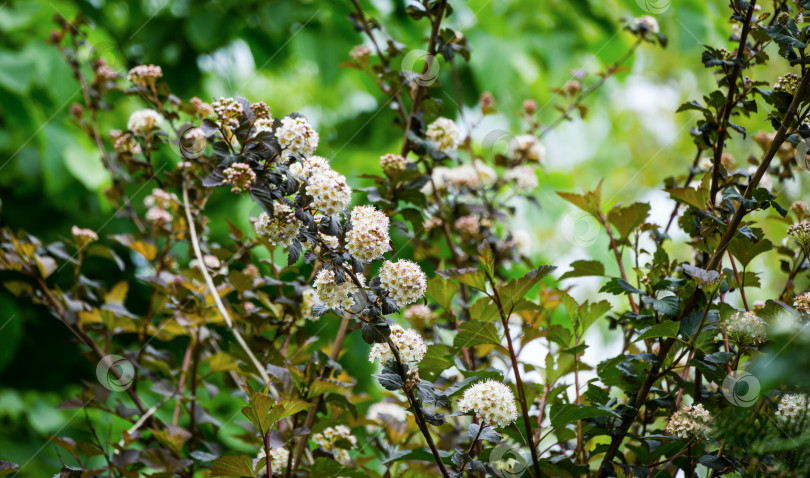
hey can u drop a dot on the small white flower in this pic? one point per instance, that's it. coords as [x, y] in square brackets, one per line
[690, 422]
[282, 228]
[296, 136]
[444, 134]
[524, 177]
[411, 346]
[368, 238]
[83, 237]
[328, 439]
[308, 299]
[745, 328]
[262, 125]
[491, 401]
[793, 412]
[403, 280]
[802, 303]
[144, 121]
[329, 191]
[158, 216]
[419, 312]
[278, 460]
[393, 163]
[334, 295]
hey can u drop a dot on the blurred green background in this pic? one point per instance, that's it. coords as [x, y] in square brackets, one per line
[287, 53]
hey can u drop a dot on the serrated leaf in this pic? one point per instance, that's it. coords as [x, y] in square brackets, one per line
[389, 381]
[626, 219]
[584, 268]
[590, 202]
[697, 198]
[470, 276]
[240, 465]
[474, 333]
[667, 328]
[745, 250]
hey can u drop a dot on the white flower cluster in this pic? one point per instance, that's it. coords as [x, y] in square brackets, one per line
[467, 176]
[444, 134]
[309, 166]
[527, 147]
[368, 239]
[403, 280]
[386, 412]
[329, 191]
[793, 412]
[524, 177]
[158, 216]
[282, 228]
[160, 198]
[491, 401]
[296, 136]
[308, 299]
[331, 241]
[690, 422]
[802, 303]
[411, 346]
[328, 439]
[418, 312]
[278, 460]
[787, 83]
[144, 121]
[334, 295]
[263, 124]
[745, 328]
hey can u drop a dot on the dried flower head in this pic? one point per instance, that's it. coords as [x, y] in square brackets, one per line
[83, 237]
[282, 228]
[240, 176]
[527, 147]
[690, 422]
[412, 348]
[124, 143]
[296, 136]
[403, 280]
[329, 191]
[800, 209]
[145, 75]
[144, 121]
[444, 134]
[744, 328]
[334, 295]
[492, 402]
[368, 238]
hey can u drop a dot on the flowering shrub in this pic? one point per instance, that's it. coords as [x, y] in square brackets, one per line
[424, 267]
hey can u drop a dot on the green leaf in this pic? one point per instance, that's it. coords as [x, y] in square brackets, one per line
[590, 202]
[691, 196]
[416, 454]
[628, 218]
[666, 306]
[564, 414]
[442, 291]
[584, 269]
[667, 328]
[240, 465]
[476, 333]
[618, 286]
[470, 276]
[745, 250]
[285, 408]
